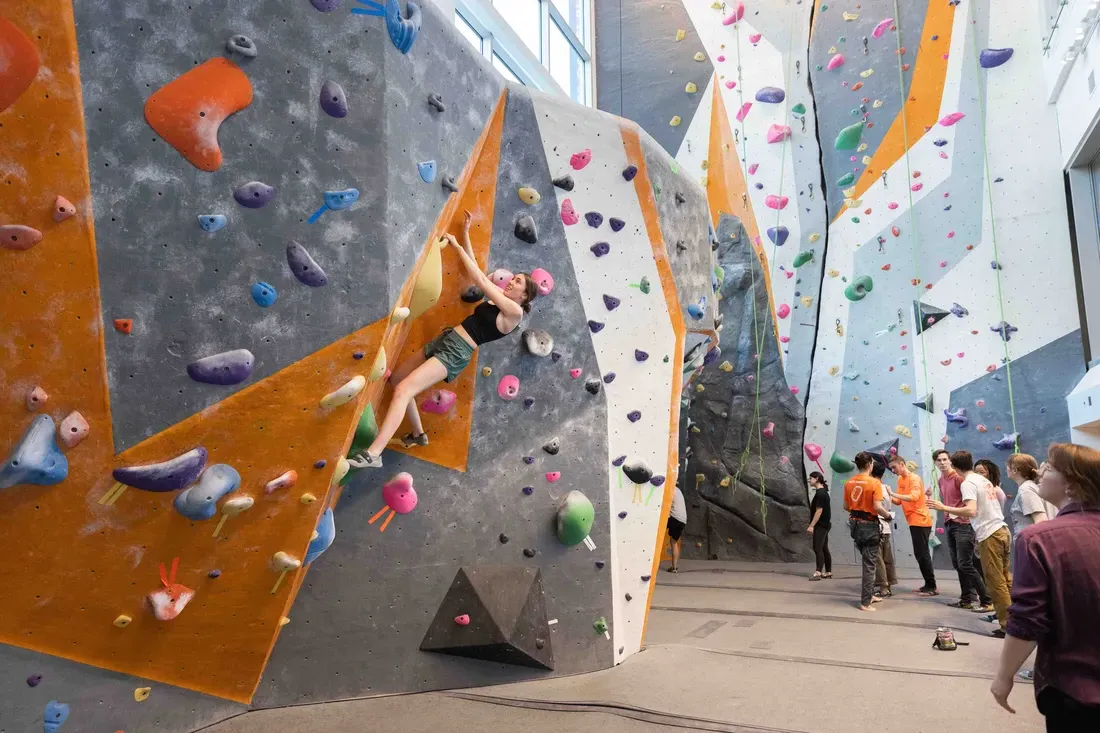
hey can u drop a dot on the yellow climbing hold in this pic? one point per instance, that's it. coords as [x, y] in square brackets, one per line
[699, 388]
[724, 482]
[308, 499]
[529, 196]
[833, 273]
[705, 165]
[700, 56]
[814, 237]
[866, 73]
[695, 429]
[832, 49]
[342, 468]
[903, 431]
[691, 88]
[850, 16]
[429, 281]
[861, 148]
[877, 103]
[833, 371]
[141, 694]
[284, 620]
[849, 192]
[716, 5]
[807, 301]
[681, 34]
[486, 371]
[866, 160]
[905, 388]
[123, 621]
[399, 314]
[911, 465]
[379, 369]
[726, 366]
[675, 121]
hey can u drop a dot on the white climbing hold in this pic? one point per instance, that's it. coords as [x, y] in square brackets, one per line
[346, 393]
[378, 370]
[852, 427]
[36, 398]
[399, 314]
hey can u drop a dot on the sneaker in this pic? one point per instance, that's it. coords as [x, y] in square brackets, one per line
[410, 440]
[366, 460]
[1026, 674]
[991, 617]
[998, 633]
[927, 591]
[966, 605]
[982, 607]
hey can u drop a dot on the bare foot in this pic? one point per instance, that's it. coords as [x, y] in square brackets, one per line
[867, 608]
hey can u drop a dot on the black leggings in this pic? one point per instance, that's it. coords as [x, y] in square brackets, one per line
[821, 549]
[1065, 715]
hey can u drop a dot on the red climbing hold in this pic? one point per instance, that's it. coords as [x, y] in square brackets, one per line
[886, 268]
[895, 231]
[188, 110]
[463, 620]
[20, 63]
[124, 325]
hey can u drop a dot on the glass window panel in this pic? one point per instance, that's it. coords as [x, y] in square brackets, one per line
[525, 17]
[504, 70]
[573, 12]
[468, 32]
[565, 64]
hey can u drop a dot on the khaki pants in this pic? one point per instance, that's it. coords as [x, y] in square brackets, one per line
[885, 577]
[994, 552]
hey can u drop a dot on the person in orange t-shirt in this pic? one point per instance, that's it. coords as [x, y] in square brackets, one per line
[910, 496]
[863, 500]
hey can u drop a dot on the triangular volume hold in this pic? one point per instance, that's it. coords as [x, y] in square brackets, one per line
[927, 316]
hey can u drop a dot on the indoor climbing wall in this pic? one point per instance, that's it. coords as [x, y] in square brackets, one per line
[235, 240]
[948, 313]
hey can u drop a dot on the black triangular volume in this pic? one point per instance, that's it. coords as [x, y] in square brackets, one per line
[507, 618]
[927, 316]
[925, 403]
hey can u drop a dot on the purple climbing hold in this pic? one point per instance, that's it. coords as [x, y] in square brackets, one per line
[333, 100]
[555, 356]
[358, 355]
[778, 235]
[996, 265]
[599, 564]
[595, 326]
[712, 356]
[771, 95]
[657, 480]
[230, 367]
[215, 573]
[616, 224]
[326, 6]
[634, 416]
[594, 219]
[1006, 330]
[600, 248]
[958, 310]
[629, 172]
[940, 143]
[609, 378]
[611, 302]
[759, 186]
[320, 464]
[527, 402]
[622, 515]
[304, 268]
[640, 355]
[503, 538]
[528, 490]
[958, 417]
[619, 461]
[34, 680]
[991, 58]
[528, 460]
[528, 552]
[645, 578]
[1008, 442]
[253, 195]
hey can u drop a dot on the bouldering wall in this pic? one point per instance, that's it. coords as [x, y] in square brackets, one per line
[949, 315]
[225, 238]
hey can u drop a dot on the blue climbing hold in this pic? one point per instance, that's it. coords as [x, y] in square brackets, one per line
[698, 310]
[958, 417]
[403, 30]
[778, 235]
[640, 355]
[609, 378]
[56, 713]
[211, 223]
[630, 172]
[200, 502]
[264, 294]
[595, 326]
[528, 460]
[528, 490]
[336, 201]
[771, 95]
[326, 534]
[611, 302]
[36, 459]
[1007, 442]
[991, 58]
[427, 171]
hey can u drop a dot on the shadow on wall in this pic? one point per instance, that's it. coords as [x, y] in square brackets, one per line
[744, 482]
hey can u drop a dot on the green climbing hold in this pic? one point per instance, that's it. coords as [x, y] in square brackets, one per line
[600, 625]
[803, 257]
[799, 109]
[855, 219]
[818, 67]
[644, 285]
[365, 432]
[842, 39]
[824, 8]
[840, 464]
[575, 517]
[859, 288]
[666, 358]
[675, 167]
[849, 137]
[846, 180]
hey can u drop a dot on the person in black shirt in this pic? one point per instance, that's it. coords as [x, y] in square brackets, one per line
[822, 511]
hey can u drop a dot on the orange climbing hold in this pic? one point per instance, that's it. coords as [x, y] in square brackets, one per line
[19, 66]
[124, 325]
[188, 110]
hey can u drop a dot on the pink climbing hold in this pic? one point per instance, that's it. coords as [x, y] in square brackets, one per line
[952, 119]
[752, 168]
[980, 403]
[36, 398]
[892, 205]
[951, 235]
[575, 373]
[544, 281]
[19, 237]
[508, 387]
[783, 311]
[439, 402]
[794, 389]
[744, 111]
[553, 476]
[784, 460]
[961, 354]
[569, 215]
[778, 133]
[754, 38]
[789, 274]
[63, 209]
[943, 155]
[730, 84]
[399, 494]
[776, 202]
[581, 159]
[73, 429]
[501, 277]
[721, 58]
[769, 430]
[813, 451]
[882, 27]
[463, 620]
[916, 187]
[737, 14]
[785, 339]
[835, 62]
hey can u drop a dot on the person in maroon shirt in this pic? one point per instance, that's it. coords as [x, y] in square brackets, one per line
[1056, 595]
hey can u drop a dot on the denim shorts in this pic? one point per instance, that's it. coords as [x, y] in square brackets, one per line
[452, 350]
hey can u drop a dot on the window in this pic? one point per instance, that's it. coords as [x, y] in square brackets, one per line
[543, 44]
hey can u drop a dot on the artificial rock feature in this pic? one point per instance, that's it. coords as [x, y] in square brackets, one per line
[507, 614]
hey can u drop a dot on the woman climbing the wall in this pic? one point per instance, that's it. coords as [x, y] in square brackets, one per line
[445, 356]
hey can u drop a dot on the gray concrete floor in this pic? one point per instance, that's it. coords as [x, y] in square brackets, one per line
[738, 648]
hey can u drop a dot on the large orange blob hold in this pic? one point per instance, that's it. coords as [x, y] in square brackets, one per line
[188, 110]
[18, 63]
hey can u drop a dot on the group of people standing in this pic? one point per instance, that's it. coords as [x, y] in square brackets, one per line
[1052, 552]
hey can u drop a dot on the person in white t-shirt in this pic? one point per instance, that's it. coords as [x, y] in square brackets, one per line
[980, 503]
[1028, 507]
[677, 520]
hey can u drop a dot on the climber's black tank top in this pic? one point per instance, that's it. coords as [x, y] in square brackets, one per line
[482, 324]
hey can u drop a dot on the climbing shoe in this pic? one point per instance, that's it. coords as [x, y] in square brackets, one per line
[410, 440]
[982, 607]
[366, 460]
